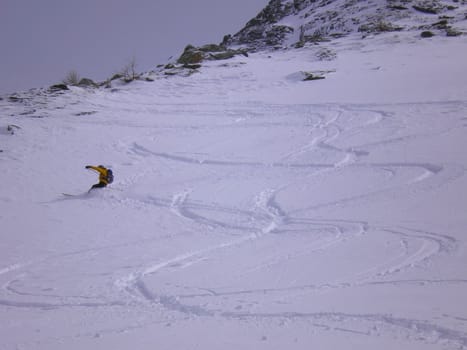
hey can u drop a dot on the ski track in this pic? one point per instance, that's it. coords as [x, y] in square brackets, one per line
[420, 246]
[267, 218]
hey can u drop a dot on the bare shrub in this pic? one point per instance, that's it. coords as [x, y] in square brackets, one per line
[129, 71]
[72, 78]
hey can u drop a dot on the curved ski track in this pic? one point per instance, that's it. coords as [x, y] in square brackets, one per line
[334, 148]
[268, 217]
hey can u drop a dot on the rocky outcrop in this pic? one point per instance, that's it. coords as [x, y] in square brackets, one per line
[191, 55]
[86, 82]
[194, 55]
[286, 23]
[264, 29]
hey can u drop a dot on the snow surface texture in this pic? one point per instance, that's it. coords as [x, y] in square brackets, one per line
[250, 209]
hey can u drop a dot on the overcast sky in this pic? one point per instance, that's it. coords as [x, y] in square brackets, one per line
[43, 40]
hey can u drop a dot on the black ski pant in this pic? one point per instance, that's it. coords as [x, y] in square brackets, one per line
[99, 185]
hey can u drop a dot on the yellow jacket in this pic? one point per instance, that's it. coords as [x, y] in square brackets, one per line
[103, 172]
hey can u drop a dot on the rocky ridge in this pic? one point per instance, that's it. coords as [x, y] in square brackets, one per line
[284, 23]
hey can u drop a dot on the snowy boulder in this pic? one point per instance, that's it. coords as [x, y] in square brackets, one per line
[308, 76]
[305, 76]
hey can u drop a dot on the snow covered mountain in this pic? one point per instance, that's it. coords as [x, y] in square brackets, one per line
[308, 197]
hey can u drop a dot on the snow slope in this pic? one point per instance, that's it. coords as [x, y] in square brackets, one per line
[250, 209]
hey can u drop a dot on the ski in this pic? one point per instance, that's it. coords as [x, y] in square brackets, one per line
[80, 195]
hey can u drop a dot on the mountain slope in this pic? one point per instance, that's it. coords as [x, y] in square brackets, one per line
[251, 209]
[296, 22]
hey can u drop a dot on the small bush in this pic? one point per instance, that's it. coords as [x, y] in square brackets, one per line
[128, 72]
[72, 78]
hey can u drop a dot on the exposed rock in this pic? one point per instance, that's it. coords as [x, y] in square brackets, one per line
[289, 23]
[430, 8]
[264, 28]
[212, 48]
[14, 98]
[85, 82]
[227, 54]
[443, 24]
[193, 56]
[183, 71]
[80, 114]
[116, 76]
[427, 34]
[453, 32]
[397, 7]
[225, 41]
[106, 84]
[28, 112]
[276, 35]
[379, 27]
[192, 66]
[58, 87]
[312, 76]
[12, 128]
[325, 54]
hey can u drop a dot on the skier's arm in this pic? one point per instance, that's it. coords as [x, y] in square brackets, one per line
[99, 170]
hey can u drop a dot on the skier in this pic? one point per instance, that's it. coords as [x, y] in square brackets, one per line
[105, 176]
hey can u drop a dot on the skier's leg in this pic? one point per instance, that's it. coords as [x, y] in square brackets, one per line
[99, 185]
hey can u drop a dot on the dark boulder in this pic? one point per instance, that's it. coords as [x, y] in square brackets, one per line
[85, 82]
[59, 87]
[427, 34]
[191, 55]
